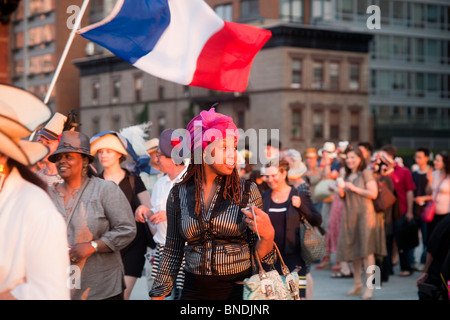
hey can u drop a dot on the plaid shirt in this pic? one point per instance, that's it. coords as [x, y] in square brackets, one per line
[216, 243]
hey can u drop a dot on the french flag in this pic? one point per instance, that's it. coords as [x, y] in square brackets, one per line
[182, 41]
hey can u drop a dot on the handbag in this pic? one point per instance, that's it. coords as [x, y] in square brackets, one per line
[271, 285]
[312, 242]
[385, 199]
[430, 208]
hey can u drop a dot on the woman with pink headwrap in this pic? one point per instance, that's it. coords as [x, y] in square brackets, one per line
[207, 222]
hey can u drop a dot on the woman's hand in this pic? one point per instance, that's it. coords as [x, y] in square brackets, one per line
[420, 200]
[296, 201]
[80, 251]
[350, 186]
[142, 213]
[263, 225]
[158, 217]
[422, 278]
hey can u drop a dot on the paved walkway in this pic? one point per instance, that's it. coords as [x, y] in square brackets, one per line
[327, 288]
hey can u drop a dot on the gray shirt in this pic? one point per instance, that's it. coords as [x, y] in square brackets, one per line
[99, 210]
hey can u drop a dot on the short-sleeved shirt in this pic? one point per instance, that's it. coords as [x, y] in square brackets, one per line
[403, 182]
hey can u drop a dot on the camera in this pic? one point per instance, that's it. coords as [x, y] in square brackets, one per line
[382, 163]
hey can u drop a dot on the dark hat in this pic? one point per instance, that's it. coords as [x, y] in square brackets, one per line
[167, 143]
[73, 141]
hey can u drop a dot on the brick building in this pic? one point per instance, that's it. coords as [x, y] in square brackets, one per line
[310, 83]
[38, 34]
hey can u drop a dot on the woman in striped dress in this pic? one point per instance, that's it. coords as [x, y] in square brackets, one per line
[206, 222]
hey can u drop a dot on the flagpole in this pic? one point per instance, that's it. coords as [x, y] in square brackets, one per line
[66, 50]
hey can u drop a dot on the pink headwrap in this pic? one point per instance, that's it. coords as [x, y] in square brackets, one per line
[209, 126]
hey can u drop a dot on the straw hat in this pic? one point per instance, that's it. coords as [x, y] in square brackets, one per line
[73, 142]
[20, 114]
[109, 140]
[330, 148]
[53, 129]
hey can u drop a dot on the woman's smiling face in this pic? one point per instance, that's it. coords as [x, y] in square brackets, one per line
[70, 164]
[221, 155]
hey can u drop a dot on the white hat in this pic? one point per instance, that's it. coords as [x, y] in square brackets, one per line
[110, 140]
[21, 111]
[152, 145]
[20, 114]
[296, 167]
[330, 148]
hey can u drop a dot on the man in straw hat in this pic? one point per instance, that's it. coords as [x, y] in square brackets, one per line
[33, 237]
[49, 137]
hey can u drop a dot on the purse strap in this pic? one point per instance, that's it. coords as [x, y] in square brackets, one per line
[437, 189]
[284, 268]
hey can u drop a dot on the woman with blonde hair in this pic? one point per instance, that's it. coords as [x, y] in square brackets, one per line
[111, 150]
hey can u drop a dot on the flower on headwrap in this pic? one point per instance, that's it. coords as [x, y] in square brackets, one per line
[175, 142]
[209, 126]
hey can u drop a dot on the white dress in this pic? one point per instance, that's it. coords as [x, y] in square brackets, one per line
[34, 258]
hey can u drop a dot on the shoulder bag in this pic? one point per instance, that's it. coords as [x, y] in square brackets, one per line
[430, 209]
[312, 242]
[385, 198]
[271, 285]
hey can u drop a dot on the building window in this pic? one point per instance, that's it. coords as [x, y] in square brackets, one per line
[296, 73]
[291, 10]
[347, 10]
[354, 126]
[318, 124]
[398, 12]
[296, 123]
[418, 15]
[116, 122]
[420, 84]
[334, 75]
[95, 91]
[318, 75]
[249, 8]
[322, 10]
[160, 92]
[225, 11]
[138, 88]
[161, 124]
[334, 124]
[96, 125]
[433, 85]
[354, 77]
[241, 119]
[115, 90]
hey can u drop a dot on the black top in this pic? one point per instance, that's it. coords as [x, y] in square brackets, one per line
[131, 186]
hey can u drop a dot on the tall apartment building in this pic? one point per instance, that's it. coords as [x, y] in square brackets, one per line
[409, 66]
[310, 83]
[38, 33]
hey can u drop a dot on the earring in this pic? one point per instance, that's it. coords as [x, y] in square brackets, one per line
[84, 172]
[2, 176]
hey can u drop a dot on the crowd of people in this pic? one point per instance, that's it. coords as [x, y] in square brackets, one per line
[344, 184]
[81, 216]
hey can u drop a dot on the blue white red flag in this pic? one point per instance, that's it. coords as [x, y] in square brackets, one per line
[182, 41]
